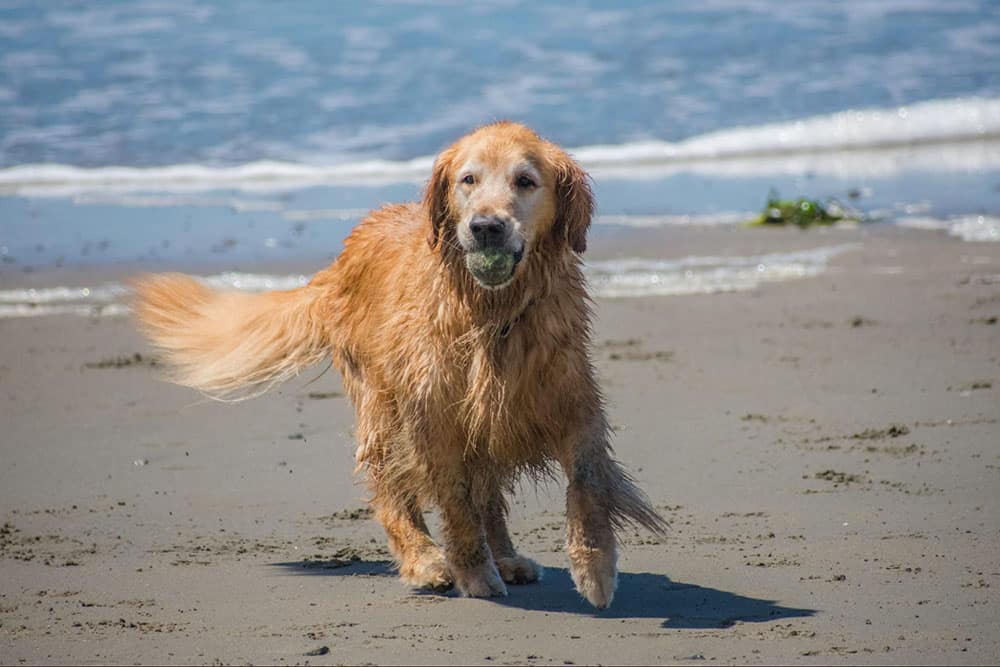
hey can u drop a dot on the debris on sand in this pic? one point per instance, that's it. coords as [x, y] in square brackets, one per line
[352, 514]
[861, 321]
[801, 212]
[838, 477]
[324, 395]
[892, 431]
[631, 350]
[977, 384]
[125, 361]
[641, 355]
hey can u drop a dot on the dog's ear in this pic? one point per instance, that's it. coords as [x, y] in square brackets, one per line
[437, 195]
[574, 200]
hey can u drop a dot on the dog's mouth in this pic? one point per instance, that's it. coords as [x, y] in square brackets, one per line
[493, 267]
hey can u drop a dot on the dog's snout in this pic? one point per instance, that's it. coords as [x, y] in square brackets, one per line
[488, 230]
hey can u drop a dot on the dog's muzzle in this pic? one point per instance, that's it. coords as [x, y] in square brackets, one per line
[494, 255]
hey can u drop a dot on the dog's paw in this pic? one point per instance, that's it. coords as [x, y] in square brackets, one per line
[519, 569]
[481, 581]
[428, 570]
[595, 573]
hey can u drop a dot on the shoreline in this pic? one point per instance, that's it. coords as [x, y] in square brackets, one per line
[223, 229]
[622, 262]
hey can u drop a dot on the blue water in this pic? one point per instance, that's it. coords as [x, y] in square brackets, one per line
[154, 82]
[233, 134]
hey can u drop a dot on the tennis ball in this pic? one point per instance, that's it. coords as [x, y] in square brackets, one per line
[490, 266]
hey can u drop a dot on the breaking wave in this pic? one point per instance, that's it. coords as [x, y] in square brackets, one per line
[951, 134]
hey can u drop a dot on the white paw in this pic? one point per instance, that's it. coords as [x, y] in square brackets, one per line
[519, 569]
[482, 581]
[429, 570]
[595, 574]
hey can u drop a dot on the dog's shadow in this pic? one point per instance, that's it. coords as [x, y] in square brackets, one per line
[640, 595]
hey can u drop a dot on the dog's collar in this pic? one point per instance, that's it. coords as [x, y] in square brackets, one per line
[508, 326]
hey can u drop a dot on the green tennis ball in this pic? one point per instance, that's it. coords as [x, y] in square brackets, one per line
[490, 266]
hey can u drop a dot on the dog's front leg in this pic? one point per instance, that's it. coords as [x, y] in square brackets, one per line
[601, 496]
[514, 568]
[590, 537]
[466, 548]
[421, 562]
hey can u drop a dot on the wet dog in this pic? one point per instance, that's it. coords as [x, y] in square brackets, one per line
[461, 327]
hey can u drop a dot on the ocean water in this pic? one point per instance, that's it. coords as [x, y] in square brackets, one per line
[238, 132]
[615, 278]
[155, 83]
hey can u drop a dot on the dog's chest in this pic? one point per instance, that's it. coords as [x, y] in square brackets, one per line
[498, 393]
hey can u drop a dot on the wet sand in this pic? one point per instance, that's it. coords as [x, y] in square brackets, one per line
[827, 452]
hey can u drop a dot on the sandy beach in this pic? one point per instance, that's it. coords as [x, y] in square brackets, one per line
[825, 449]
[815, 412]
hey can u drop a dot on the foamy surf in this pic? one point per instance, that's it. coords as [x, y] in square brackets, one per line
[623, 278]
[618, 278]
[954, 121]
[939, 135]
[966, 227]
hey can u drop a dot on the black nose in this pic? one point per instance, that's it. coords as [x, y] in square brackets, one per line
[488, 230]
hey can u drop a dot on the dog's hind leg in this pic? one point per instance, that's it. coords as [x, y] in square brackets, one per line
[514, 568]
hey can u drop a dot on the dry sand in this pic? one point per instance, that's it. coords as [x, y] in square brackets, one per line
[827, 451]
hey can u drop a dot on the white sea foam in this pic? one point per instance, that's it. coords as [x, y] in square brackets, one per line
[47, 180]
[936, 121]
[172, 200]
[699, 219]
[608, 278]
[941, 135]
[704, 274]
[53, 295]
[343, 214]
[965, 227]
[10, 310]
[255, 282]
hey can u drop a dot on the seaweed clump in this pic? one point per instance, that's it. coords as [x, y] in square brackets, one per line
[801, 212]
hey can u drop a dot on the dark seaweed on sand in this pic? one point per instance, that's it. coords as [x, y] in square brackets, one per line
[801, 212]
[124, 361]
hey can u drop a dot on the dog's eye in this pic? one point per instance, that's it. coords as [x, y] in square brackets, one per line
[525, 182]
[469, 179]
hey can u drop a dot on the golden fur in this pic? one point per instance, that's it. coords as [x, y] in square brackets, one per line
[458, 388]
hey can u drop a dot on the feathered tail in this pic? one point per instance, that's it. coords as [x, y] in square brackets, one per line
[223, 342]
[629, 505]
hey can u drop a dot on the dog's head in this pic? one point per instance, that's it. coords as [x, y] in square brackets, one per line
[500, 193]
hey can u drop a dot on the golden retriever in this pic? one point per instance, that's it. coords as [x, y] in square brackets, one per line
[461, 327]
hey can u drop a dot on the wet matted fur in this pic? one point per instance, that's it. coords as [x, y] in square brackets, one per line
[461, 381]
